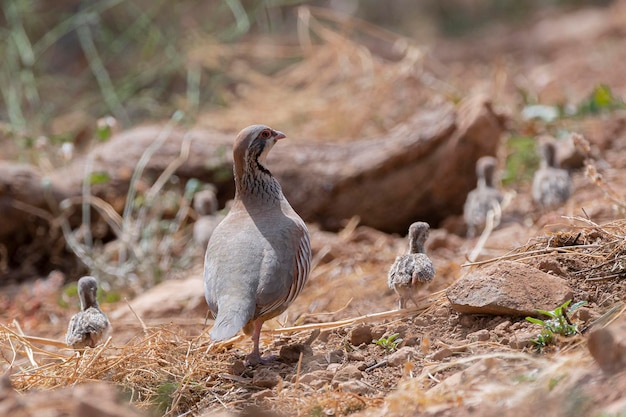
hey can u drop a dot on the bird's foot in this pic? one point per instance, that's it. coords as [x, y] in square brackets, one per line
[255, 358]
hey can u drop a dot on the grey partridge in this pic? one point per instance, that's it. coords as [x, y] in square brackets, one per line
[551, 184]
[483, 198]
[89, 326]
[258, 258]
[413, 271]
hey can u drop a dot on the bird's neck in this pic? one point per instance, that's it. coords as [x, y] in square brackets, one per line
[255, 182]
[88, 302]
[416, 247]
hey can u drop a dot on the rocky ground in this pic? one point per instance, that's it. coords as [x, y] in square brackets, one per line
[342, 348]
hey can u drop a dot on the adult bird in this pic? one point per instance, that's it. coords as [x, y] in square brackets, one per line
[483, 198]
[258, 258]
[413, 271]
[551, 184]
[90, 325]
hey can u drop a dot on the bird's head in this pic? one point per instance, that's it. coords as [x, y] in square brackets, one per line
[88, 291]
[418, 233]
[252, 146]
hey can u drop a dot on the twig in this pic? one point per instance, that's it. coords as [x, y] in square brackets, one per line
[132, 310]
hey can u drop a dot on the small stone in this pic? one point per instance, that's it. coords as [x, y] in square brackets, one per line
[356, 356]
[261, 395]
[314, 363]
[238, 367]
[291, 353]
[467, 320]
[355, 387]
[401, 356]
[501, 328]
[265, 378]
[324, 336]
[320, 375]
[521, 340]
[412, 341]
[361, 335]
[441, 354]
[607, 345]
[401, 330]
[420, 322]
[333, 367]
[362, 366]
[348, 373]
[442, 312]
[479, 336]
[378, 332]
[586, 314]
[335, 356]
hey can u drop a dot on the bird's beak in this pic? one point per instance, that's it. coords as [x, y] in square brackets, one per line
[279, 135]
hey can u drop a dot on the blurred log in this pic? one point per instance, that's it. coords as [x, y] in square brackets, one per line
[422, 170]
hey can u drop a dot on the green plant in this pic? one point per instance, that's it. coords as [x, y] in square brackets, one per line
[600, 100]
[389, 343]
[559, 323]
[522, 159]
[164, 396]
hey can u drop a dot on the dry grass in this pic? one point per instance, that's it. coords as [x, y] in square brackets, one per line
[339, 85]
[601, 247]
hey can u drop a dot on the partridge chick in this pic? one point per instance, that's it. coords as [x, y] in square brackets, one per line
[551, 184]
[483, 198]
[413, 271]
[258, 258]
[89, 326]
[205, 205]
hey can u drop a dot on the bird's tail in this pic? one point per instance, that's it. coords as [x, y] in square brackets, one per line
[230, 319]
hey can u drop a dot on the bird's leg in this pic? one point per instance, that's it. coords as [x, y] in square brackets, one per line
[254, 358]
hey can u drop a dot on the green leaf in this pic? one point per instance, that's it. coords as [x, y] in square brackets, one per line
[535, 321]
[99, 177]
[577, 305]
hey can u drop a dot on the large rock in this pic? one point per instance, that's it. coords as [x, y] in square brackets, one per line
[508, 288]
[171, 298]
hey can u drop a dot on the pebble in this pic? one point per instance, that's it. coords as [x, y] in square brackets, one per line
[378, 332]
[355, 387]
[361, 335]
[291, 353]
[607, 345]
[479, 336]
[265, 378]
[521, 340]
[401, 356]
[348, 373]
[356, 356]
[311, 377]
[441, 354]
[335, 356]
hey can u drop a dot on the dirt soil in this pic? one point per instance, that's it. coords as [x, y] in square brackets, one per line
[446, 364]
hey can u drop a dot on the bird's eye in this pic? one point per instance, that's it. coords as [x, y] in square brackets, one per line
[266, 134]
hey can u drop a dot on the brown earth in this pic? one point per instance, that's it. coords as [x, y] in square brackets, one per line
[448, 363]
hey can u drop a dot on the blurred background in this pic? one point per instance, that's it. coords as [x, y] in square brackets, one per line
[68, 63]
